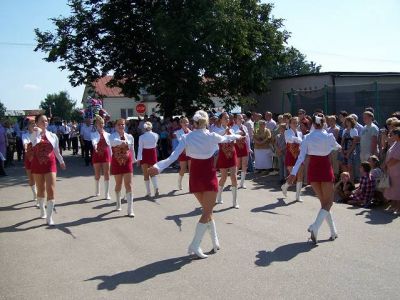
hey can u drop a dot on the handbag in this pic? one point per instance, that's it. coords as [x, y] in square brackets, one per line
[384, 183]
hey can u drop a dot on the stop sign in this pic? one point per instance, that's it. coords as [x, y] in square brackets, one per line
[140, 108]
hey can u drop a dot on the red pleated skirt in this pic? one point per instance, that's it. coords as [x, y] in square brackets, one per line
[227, 157]
[292, 152]
[44, 159]
[149, 156]
[241, 148]
[121, 161]
[183, 157]
[102, 155]
[320, 169]
[203, 176]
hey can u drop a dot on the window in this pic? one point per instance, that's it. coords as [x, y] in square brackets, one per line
[126, 113]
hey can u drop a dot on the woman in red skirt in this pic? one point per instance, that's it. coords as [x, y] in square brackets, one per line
[227, 160]
[200, 146]
[101, 157]
[242, 148]
[122, 145]
[318, 145]
[45, 147]
[147, 156]
[293, 138]
[184, 160]
[28, 156]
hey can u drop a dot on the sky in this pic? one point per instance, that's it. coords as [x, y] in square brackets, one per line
[341, 35]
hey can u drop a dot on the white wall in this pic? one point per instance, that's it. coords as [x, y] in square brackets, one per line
[114, 105]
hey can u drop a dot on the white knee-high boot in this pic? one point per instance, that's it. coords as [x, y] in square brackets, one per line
[284, 188]
[332, 226]
[129, 198]
[154, 181]
[214, 237]
[194, 247]
[299, 185]
[34, 194]
[118, 200]
[219, 195]
[97, 187]
[50, 209]
[107, 190]
[42, 208]
[147, 184]
[313, 229]
[180, 182]
[242, 179]
[235, 202]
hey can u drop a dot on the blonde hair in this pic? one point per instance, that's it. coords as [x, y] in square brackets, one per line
[184, 119]
[148, 126]
[345, 174]
[99, 120]
[201, 119]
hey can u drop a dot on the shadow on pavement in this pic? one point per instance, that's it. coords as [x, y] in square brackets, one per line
[376, 216]
[177, 218]
[16, 206]
[267, 208]
[283, 253]
[141, 274]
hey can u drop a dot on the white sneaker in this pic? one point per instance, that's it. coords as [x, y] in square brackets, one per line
[284, 188]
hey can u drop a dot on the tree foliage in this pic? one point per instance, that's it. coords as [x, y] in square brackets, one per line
[294, 63]
[2, 110]
[182, 51]
[58, 105]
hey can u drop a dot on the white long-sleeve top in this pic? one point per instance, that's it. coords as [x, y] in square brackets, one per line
[198, 144]
[95, 137]
[115, 140]
[236, 129]
[147, 140]
[180, 133]
[36, 137]
[319, 143]
[26, 138]
[291, 138]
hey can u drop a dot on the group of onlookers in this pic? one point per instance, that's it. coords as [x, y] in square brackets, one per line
[369, 151]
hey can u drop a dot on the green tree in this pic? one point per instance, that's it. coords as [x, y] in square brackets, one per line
[183, 52]
[2, 109]
[58, 105]
[293, 62]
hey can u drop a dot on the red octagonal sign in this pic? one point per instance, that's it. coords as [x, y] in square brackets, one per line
[140, 108]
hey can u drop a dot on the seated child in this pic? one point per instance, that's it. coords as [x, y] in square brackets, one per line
[377, 173]
[344, 188]
[364, 193]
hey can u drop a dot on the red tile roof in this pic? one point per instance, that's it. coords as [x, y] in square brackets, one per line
[101, 88]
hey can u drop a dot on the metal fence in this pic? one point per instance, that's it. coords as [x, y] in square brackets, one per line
[383, 97]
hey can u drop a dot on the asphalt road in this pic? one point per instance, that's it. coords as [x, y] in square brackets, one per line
[95, 252]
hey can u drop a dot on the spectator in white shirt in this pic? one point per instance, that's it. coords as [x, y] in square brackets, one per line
[368, 137]
[86, 135]
[269, 122]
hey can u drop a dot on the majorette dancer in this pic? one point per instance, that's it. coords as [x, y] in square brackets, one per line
[43, 166]
[226, 161]
[101, 157]
[184, 160]
[318, 145]
[242, 148]
[123, 157]
[200, 146]
[28, 156]
[293, 138]
[147, 156]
